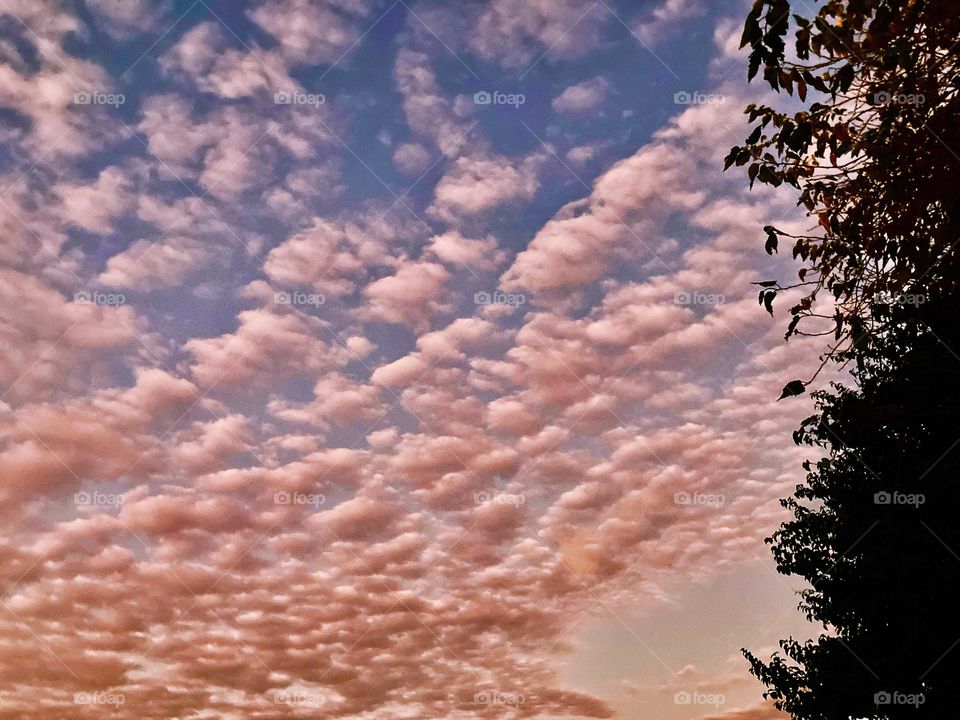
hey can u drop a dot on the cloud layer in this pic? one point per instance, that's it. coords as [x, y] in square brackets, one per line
[283, 435]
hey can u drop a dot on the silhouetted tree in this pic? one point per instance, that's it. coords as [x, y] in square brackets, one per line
[875, 154]
[875, 532]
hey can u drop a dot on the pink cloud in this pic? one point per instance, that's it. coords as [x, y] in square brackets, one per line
[266, 344]
[51, 344]
[515, 33]
[478, 184]
[319, 257]
[93, 207]
[582, 98]
[412, 159]
[412, 295]
[129, 19]
[658, 22]
[453, 248]
[396, 520]
[204, 57]
[312, 32]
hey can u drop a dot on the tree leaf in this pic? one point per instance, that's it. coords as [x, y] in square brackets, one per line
[792, 388]
[792, 326]
[772, 242]
[768, 297]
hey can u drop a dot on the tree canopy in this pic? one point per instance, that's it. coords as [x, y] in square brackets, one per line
[873, 156]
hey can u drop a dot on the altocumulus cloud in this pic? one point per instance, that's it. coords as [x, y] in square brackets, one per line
[295, 466]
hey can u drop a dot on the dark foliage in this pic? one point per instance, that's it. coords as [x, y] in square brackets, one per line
[874, 158]
[875, 533]
[874, 154]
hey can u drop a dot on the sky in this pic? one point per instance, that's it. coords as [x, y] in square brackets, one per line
[387, 360]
